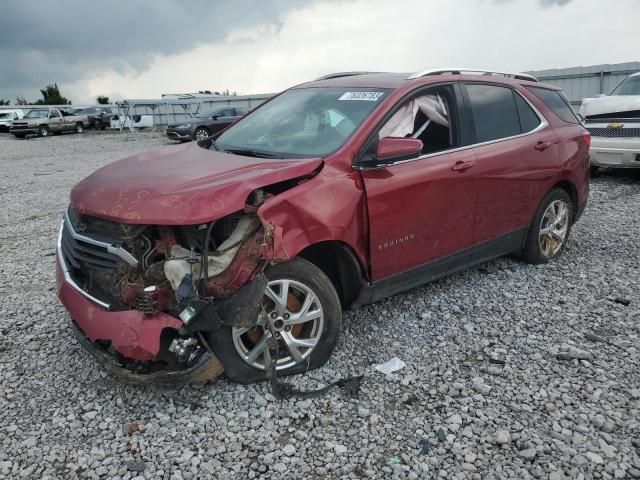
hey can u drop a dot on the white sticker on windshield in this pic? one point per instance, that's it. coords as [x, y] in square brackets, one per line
[366, 96]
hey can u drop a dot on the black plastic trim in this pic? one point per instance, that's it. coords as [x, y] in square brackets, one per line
[373, 292]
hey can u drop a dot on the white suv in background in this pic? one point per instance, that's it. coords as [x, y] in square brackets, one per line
[8, 116]
[614, 123]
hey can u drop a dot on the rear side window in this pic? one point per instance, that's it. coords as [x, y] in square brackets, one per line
[557, 102]
[494, 111]
[528, 118]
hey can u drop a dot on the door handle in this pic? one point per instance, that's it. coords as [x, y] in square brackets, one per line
[540, 146]
[461, 166]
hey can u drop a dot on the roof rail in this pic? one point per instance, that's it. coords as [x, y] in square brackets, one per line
[342, 74]
[472, 71]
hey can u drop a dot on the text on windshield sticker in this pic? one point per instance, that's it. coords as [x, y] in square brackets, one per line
[365, 96]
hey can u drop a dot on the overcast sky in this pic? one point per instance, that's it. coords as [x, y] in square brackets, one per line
[144, 48]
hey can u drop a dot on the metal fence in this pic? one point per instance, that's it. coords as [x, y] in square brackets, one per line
[584, 82]
[165, 111]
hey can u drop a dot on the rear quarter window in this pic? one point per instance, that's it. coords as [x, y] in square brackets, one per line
[556, 102]
[528, 118]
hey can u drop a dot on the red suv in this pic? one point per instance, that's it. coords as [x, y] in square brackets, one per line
[239, 253]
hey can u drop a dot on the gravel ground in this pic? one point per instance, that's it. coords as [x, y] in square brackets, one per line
[483, 394]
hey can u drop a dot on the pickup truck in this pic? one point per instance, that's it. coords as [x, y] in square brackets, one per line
[614, 124]
[7, 117]
[45, 120]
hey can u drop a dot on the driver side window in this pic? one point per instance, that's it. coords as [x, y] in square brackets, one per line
[429, 117]
[53, 114]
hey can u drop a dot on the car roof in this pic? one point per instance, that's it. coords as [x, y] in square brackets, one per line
[405, 80]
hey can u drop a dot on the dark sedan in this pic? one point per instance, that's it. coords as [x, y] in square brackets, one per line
[205, 124]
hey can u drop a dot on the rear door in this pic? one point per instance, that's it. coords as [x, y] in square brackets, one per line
[516, 151]
[421, 210]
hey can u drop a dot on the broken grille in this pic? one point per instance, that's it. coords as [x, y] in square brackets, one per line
[90, 251]
[79, 253]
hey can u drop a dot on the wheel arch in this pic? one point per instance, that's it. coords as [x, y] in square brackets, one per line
[339, 262]
[571, 189]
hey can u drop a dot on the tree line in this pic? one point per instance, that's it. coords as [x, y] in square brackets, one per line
[51, 96]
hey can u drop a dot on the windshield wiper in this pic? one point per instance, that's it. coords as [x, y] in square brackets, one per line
[247, 152]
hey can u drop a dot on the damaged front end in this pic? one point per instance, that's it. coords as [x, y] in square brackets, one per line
[144, 298]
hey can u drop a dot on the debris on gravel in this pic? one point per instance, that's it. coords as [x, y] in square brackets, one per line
[482, 394]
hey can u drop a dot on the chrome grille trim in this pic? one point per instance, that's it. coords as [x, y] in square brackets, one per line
[67, 274]
[113, 249]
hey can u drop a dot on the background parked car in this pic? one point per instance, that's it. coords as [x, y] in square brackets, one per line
[204, 124]
[97, 117]
[132, 121]
[45, 120]
[7, 118]
[614, 123]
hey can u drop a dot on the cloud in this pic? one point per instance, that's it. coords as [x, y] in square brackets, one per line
[550, 3]
[300, 41]
[67, 40]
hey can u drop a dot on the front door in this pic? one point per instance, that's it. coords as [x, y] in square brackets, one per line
[423, 209]
[55, 121]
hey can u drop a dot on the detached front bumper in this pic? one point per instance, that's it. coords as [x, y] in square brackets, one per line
[615, 152]
[131, 333]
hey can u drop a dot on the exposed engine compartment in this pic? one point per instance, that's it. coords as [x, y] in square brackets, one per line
[170, 262]
[183, 271]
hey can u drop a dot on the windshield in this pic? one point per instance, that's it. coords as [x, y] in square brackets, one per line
[44, 113]
[303, 122]
[630, 86]
[4, 115]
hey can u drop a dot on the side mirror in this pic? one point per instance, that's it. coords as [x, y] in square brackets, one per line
[394, 149]
[599, 95]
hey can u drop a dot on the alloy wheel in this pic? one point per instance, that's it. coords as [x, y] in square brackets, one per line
[553, 228]
[292, 311]
[201, 134]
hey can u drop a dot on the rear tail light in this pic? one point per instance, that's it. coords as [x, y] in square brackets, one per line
[586, 137]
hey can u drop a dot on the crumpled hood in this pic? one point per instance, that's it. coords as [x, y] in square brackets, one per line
[609, 104]
[180, 184]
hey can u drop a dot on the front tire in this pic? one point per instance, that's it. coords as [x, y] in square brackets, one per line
[303, 308]
[549, 231]
[78, 128]
[43, 131]
[200, 133]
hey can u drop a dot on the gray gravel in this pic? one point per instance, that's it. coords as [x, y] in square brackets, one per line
[513, 371]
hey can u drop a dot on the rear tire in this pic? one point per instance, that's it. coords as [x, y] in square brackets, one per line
[244, 353]
[43, 131]
[550, 229]
[97, 125]
[19, 135]
[78, 128]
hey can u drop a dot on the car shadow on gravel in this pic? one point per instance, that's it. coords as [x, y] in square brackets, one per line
[622, 175]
